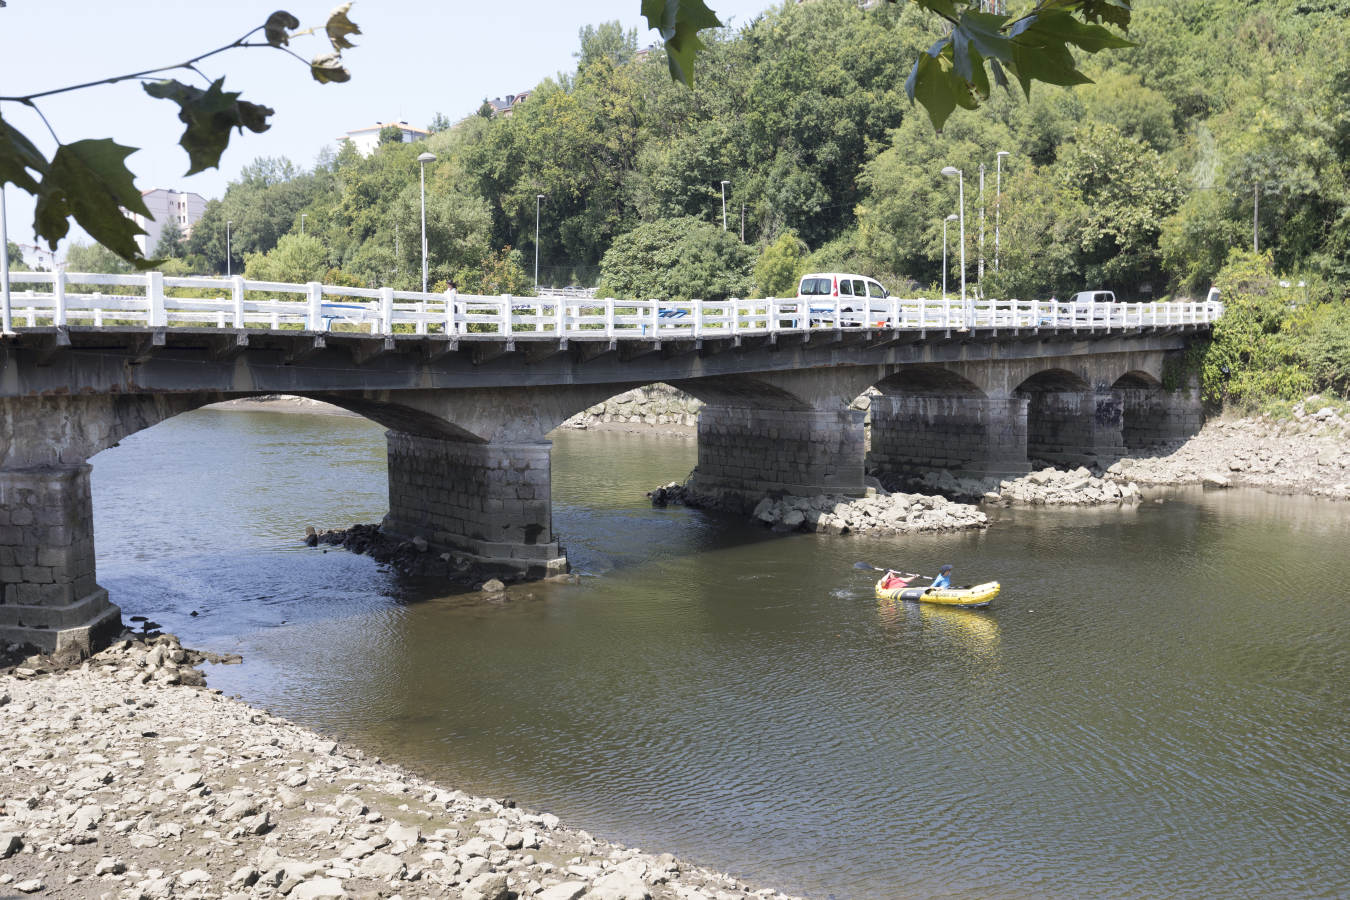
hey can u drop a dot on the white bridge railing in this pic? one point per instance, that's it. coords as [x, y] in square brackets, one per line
[153, 300]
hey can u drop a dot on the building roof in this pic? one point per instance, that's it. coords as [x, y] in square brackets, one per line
[382, 125]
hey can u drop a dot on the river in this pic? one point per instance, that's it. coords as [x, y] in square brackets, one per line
[1154, 707]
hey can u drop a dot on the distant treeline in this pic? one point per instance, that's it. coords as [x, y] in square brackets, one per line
[1142, 183]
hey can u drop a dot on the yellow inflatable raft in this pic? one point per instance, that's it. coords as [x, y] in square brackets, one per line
[967, 597]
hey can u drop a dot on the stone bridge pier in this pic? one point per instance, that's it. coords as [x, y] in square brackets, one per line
[780, 433]
[470, 471]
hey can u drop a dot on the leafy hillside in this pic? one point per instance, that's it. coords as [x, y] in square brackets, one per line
[1142, 182]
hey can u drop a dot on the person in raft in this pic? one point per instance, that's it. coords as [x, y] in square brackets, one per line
[893, 579]
[944, 578]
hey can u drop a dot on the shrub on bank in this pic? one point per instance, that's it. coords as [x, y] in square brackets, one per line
[1277, 340]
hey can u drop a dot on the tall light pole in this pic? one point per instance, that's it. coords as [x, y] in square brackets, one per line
[998, 202]
[6, 312]
[1256, 218]
[979, 266]
[951, 218]
[228, 270]
[538, 198]
[724, 204]
[422, 162]
[961, 186]
[302, 224]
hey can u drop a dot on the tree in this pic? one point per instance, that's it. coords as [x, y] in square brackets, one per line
[95, 258]
[16, 263]
[391, 134]
[296, 259]
[780, 265]
[500, 272]
[676, 258]
[607, 40]
[170, 243]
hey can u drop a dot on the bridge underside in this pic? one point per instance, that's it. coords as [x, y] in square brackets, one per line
[468, 453]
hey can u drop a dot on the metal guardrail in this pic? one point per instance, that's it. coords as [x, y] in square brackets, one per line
[156, 301]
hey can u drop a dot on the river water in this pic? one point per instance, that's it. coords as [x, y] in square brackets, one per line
[1155, 707]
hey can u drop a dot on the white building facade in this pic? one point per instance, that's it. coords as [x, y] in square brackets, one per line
[181, 207]
[367, 139]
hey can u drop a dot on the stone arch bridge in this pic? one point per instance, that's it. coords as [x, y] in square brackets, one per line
[469, 413]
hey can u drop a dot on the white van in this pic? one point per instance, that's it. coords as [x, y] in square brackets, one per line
[819, 290]
[1094, 297]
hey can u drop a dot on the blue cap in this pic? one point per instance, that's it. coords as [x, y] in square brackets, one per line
[945, 569]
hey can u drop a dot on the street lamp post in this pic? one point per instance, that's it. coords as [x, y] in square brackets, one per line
[951, 218]
[228, 270]
[422, 161]
[998, 202]
[961, 195]
[302, 224]
[537, 199]
[979, 266]
[6, 312]
[724, 204]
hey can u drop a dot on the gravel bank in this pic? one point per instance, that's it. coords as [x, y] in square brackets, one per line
[120, 781]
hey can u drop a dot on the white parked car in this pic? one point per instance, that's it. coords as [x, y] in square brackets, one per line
[819, 290]
[1094, 297]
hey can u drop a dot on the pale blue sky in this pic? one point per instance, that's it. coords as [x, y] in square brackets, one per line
[414, 59]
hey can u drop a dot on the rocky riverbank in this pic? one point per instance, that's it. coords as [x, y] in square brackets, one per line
[119, 780]
[1046, 487]
[1307, 453]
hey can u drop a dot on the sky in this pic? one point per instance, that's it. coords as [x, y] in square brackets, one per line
[414, 58]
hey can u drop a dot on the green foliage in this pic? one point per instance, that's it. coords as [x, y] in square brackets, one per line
[170, 241]
[16, 263]
[780, 265]
[679, 22]
[296, 259]
[607, 40]
[391, 134]
[680, 258]
[209, 115]
[88, 180]
[1031, 47]
[1257, 351]
[95, 258]
[500, 272]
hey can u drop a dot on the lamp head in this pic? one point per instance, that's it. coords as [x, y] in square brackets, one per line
[950, 170]
[1002, 153]
[427, 157]
[952, 218]
[725, 183]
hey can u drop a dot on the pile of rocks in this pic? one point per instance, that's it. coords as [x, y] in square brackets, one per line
[1046, 487]
[1055, 487]
[410, 557]
[118, 782]
[877, 513]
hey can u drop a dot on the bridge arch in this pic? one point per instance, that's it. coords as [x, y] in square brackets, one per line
[928, 381]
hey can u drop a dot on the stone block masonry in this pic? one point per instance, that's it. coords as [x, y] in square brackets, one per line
[48, 595]
[1075, 427]
[747, 452]
[966, 435]
[1153, 417]
[491, 501]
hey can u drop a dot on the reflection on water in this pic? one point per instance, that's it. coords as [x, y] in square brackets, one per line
[1153, 707]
